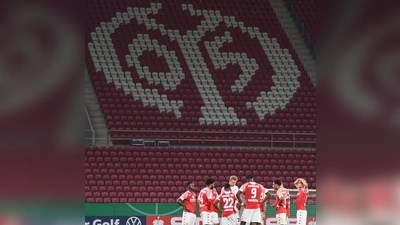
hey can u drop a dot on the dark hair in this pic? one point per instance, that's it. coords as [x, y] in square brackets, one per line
[278, 182]
[188, 183]
[249, 176]
[227, 186]
[209, 181]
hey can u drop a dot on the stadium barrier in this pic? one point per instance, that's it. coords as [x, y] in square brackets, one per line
[212, 138]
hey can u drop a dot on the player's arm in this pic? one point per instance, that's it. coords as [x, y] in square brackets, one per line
[266, 196]
[304, 183]
[216, 204]
[281, 198]
[280, 201]
[296, 182]
[239, 197]
[180, 202]
[199, 197]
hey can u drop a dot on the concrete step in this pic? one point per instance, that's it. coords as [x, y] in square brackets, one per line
[101, 132]
[96, 114]
[286, 20]
[92, 107]
[294, 36]
[101, 126]
[99, 123]
[97, 120]
[100, 120]
[90, 98]
[102, 143]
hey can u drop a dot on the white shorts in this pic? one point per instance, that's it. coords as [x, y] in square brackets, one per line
[209, 217]
[281, 218]
[301, 217]
[229, 220]
[188, 218]
[251, 215]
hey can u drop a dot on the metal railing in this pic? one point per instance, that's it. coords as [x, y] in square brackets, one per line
[300, 25]
[212, 138]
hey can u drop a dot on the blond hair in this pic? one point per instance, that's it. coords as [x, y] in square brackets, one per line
[233, 177]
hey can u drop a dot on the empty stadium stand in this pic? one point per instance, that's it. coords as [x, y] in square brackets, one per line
[145, 174]
[202, 66]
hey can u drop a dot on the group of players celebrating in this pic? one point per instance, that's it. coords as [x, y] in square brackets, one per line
[231, 202]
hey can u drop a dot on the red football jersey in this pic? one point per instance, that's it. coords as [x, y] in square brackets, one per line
[301, 199]
[189, 199]
[228, 200]
[207, 197]
[279, 195]
[252, 192]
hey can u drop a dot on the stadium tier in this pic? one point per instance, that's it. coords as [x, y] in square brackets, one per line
[307, 12]
[196, 66]
[147, 174]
